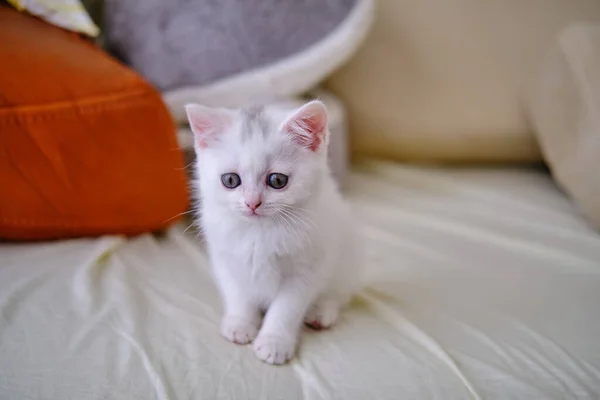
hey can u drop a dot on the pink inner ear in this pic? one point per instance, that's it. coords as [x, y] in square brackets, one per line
[308, 127]
[201, 129]
[205, 123]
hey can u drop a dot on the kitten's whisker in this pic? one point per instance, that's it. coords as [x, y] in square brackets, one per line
[298, 209]
[294, 217]
[301, 212]
[289, 228]
[193, 224]
[279, 218]
[292, 229]
[286, 225]
[179, 215]
[184, 168]
[307, 222]
[287, 215]
[199, 238]
[310, 221]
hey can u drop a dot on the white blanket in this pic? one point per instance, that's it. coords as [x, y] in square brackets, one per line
[482, 284]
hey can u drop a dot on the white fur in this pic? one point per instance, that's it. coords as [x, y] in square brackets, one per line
[299, 259]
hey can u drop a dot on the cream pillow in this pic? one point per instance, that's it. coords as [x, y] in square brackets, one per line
[443, 80]
[68, 14]
[565, 109]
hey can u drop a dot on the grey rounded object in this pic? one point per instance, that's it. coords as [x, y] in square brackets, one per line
[181, 43]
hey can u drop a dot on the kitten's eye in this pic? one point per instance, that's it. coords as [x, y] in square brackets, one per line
[231, 180]
[277, 180]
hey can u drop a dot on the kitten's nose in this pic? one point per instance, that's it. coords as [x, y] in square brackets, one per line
[253, 205]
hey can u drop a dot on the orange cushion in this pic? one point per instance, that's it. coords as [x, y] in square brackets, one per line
[86, 146]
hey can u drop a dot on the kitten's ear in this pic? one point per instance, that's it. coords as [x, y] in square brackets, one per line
[207, 123]
[308, 125]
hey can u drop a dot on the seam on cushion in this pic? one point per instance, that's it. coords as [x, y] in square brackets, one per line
[84, 100]
[32, 113]
[35, 232]
[103, 224]
[12, 119]
[58, 222]
[17, 222]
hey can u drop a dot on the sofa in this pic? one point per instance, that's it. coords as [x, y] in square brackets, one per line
[478, 210]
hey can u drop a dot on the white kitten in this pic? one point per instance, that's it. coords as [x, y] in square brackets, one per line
[280, 238]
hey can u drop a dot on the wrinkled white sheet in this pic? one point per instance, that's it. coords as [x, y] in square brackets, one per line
[482, 284]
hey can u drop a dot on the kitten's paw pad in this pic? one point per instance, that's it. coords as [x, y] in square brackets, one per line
[274, 349]
[238, 331]
[321, 316]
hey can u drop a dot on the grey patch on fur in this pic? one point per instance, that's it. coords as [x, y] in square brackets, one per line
[181, 43]
[253, 121]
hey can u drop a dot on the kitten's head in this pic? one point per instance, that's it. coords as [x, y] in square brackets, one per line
[259, 162]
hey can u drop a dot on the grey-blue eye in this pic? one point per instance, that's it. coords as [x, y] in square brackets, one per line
[231, 180]
[277, 180]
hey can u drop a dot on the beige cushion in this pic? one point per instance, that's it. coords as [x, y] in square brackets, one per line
[444, 79]
[565, 109]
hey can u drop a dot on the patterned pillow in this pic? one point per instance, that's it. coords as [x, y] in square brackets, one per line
[68, 14]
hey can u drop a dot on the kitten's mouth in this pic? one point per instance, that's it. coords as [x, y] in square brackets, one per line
[251, 214]
[257, 213]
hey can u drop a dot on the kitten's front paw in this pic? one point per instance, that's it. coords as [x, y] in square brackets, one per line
[238, 330]
[274, 349]
[322, 315]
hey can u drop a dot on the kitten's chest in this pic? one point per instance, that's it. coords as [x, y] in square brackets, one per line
[260, 242]
[255, 260]
[261, 252]
[258, 249]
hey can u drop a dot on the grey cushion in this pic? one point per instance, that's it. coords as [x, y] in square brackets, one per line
[181, 43]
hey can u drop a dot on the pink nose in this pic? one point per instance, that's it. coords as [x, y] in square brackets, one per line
[253, 205]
